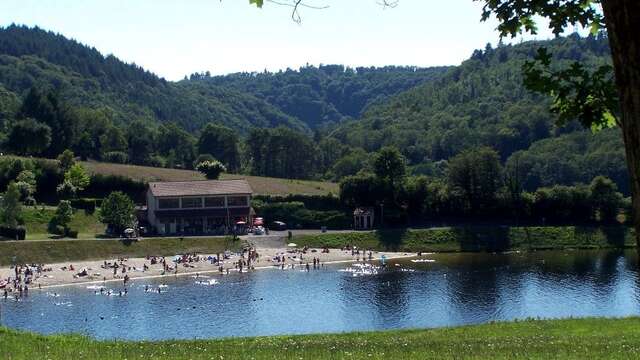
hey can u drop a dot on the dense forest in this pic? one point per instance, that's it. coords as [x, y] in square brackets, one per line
[323, 122]
[484, 103]
[31, 57]
[325, 95]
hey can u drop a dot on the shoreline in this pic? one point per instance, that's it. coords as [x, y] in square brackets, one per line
[272, 267]
[60, 276]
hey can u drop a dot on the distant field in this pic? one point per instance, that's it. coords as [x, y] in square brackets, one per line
[260, 185]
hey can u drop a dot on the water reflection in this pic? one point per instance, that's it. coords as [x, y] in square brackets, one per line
[455, 289]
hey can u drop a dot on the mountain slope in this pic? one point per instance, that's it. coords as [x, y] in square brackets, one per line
[31, 56]
[327, 94]
[481, 102]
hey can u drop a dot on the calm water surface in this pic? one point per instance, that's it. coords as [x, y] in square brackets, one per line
[456, 289]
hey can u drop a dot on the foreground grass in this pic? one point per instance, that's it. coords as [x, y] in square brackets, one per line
[473, 239]
[260, 185]
[56, 251]
[549, 339]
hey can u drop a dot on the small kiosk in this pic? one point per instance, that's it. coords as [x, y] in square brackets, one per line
[363, 218]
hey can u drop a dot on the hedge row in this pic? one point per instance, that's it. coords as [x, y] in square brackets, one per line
[479, 239]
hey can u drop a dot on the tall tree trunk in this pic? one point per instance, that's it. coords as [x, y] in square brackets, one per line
[623, 26]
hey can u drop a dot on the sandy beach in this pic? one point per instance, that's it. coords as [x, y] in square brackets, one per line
[60, 274]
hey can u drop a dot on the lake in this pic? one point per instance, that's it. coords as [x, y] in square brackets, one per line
[455, 289]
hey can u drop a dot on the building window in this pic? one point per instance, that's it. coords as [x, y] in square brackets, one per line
[237, 201]
[189, 203]
[214, 202]
[169, 203]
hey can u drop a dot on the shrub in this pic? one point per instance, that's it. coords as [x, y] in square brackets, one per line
[311, 202]
[117, 157]
[117, 211]
[87, 204]
[202, 158]
[296, 215]
[103, 185]
[211, 169]
[13, 233]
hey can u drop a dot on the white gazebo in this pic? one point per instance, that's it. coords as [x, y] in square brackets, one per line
[363, 218]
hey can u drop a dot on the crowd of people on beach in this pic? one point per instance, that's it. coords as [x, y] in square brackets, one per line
[24, 276]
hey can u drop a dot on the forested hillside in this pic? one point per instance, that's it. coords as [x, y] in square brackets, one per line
[84, 77]
[313, 123]
[483, 103]
[328, 94]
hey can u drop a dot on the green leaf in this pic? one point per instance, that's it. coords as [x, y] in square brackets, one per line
[609, 121]
[258, 3]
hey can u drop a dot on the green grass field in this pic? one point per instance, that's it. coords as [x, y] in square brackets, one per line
[549, 339]
[472, 239]
[36, 220]
[56, 251]
[260, 185]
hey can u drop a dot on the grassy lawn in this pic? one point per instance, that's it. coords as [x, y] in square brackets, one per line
[549, 339]
[489, 238]
[260, 185]
[52, 251]
[37, 219]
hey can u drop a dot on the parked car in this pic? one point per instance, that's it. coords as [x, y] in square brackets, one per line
[278, 226]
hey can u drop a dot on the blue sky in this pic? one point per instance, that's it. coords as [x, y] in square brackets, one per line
[174, 38]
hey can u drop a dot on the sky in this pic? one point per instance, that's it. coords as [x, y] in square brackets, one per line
[174, 38]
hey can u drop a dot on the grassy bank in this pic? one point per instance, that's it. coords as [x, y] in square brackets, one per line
[52, 251]
[36, 221]
[552, 339]
[494, 238]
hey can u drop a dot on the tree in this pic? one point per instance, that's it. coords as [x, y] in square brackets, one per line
[26, 183]
[589, 96]
[11, 209]
[66, 160]
[66, 190]
[211, 169]
[605, 199]
[390, 166]
[476, 175]
[360, 190]
[117, 211]
[77, 177]
[60, 221]
[350, 164]
[222, 143]
[29, 137]
[140, 139]
[113, 139]
[281, 152]
[47, 107]
[176, 144]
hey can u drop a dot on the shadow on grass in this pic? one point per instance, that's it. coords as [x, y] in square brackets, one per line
[478, 239]
[392, 240]
[615, 235]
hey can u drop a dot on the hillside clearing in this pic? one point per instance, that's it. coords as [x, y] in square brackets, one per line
[260, 185]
